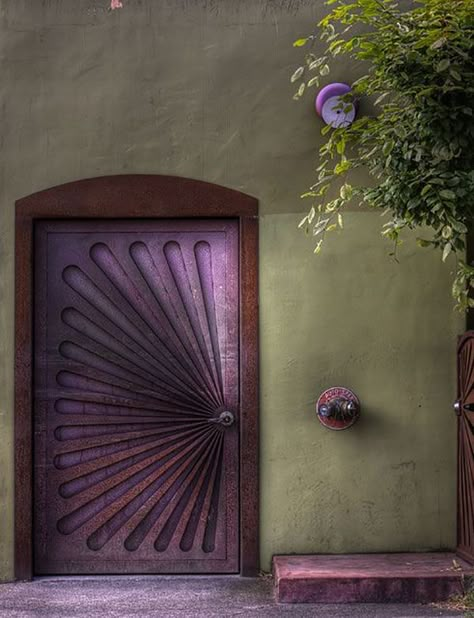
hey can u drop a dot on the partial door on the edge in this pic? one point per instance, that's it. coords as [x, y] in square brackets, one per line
[465, 411]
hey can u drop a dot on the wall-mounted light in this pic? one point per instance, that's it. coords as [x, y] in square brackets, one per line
[333, 107]
[338, 408]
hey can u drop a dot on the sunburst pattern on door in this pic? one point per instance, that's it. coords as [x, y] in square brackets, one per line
[143, 403]
[466, 448]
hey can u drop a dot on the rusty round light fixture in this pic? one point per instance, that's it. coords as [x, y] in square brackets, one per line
[338, 408]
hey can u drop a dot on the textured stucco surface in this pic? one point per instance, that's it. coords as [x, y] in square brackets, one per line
[199, 88]
[386, 330]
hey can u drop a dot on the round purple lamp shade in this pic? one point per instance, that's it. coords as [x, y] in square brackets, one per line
[328, 99]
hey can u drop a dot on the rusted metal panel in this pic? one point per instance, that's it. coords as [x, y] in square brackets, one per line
[136, 378]
[465, 410]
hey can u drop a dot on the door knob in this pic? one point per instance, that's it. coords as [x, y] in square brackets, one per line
[225, 418]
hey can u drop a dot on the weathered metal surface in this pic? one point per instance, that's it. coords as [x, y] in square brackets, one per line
[465, 413]
[338, 408]
[137, 350]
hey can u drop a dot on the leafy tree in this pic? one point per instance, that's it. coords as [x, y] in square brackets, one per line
[419, 147]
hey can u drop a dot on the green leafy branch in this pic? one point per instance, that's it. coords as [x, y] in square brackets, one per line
[418, 148]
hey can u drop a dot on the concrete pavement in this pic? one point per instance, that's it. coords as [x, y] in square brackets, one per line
[176, 597]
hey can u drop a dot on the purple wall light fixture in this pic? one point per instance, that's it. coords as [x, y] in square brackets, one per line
[328, 105]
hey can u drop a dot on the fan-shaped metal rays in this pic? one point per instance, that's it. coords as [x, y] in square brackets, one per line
[466, 449]
[142, 385]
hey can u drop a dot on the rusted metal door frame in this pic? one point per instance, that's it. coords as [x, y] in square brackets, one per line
[470, 260]
[136, 197]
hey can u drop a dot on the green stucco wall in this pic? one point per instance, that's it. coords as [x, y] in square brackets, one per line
[200, 88]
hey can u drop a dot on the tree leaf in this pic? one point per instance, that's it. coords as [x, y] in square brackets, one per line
[316, 63]
[455, 74]
[438, 43]
[447, 232]
[342, 167]
[317, 249]
[379, 99]
[447, 250]
[320, 226]
[447, 194]
[459, 227]
[300, 42]
[341, 146]
[346, 191]
[297, 74]
[303, 222]
[388, 147]
[443, 65]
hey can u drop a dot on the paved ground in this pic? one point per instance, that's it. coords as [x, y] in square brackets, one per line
[175, 597]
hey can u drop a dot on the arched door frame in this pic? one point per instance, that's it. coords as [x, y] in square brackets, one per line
[136, 197]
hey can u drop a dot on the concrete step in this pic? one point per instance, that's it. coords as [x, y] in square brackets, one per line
[370, 578]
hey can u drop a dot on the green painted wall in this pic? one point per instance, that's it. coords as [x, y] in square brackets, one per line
[199, 88]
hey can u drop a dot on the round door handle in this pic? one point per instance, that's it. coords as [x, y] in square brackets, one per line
[225, 418]
[457, 407]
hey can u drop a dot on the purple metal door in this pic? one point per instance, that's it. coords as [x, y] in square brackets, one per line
[465, 410]
[136, 408]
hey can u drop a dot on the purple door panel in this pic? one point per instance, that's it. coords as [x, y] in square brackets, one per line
[136, 406]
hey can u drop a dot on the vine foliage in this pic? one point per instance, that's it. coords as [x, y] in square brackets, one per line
[418, 148]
